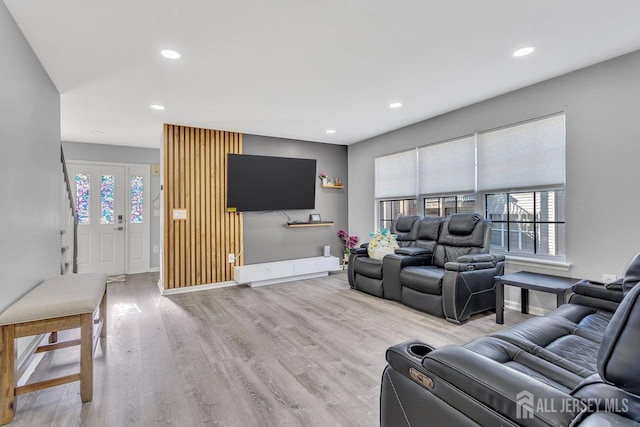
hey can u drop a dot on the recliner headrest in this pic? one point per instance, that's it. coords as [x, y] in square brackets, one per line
[429, 227]
[618, 354]
[404, 223]
[463, 224]
[631, 274]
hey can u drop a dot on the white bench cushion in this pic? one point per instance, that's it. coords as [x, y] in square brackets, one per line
[58, 297]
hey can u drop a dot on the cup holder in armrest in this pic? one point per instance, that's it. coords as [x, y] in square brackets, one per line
[409, 354]
[419, 350]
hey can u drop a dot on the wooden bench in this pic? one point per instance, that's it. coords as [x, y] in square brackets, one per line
[57, 304]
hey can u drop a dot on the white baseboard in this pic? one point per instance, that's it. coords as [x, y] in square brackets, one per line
[196, 288]
[154, 270]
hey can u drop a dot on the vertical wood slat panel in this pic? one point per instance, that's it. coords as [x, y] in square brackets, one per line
[187, 199]
[181, 197]
[207, 206]
[195, 179]
[215, 167]
[168, 226]
[196, 210]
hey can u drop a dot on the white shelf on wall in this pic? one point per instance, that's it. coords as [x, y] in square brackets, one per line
[269, 273]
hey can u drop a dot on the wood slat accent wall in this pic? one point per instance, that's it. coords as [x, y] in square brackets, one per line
[195, 179]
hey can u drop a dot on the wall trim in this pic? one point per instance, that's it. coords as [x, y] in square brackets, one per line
[539, 263]
[196, 288]
[153, 270]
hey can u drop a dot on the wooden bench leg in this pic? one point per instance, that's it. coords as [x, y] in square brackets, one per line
[7, 374]
[103, 315]
[86, 357]
[53, 338]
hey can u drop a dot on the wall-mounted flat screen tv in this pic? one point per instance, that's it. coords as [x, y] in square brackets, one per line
[262, 183]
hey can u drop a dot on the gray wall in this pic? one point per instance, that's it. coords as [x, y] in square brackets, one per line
[30, 188]
[265, 236]
[603, 147]
[122, 154]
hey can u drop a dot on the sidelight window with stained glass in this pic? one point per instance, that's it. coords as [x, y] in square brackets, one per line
[107, 199]
[83, 198]
[137, 199]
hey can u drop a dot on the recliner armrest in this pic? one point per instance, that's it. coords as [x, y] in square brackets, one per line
[480, 258]
[474, 262]
[598, 290]
[413, 251]
[392, 265]
[359, 251]
[476, 375]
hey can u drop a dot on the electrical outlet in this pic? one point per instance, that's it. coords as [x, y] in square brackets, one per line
[608, 278]
[232, 258]
[156, 249]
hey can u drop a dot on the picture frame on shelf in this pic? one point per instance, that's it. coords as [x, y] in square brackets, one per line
[314, 218]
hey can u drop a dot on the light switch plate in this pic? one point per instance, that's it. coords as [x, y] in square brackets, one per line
[179, 214]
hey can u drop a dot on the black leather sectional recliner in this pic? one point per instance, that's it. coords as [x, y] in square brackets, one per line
[443, 266]
[367, 272]
[578, 365]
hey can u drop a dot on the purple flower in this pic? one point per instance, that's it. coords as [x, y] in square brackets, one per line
[348, 242]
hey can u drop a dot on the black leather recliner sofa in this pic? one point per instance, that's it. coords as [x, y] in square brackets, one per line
[446, 270]
[365, 274]
[578, 365]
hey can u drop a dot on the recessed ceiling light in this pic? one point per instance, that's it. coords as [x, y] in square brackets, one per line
[96, 132]
[524, 51]
[331, 131]
[395, 105]
[157, 107]
[171, 54]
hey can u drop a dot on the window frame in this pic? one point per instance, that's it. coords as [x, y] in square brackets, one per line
[380, 221]
[481, 194]
[535, 223]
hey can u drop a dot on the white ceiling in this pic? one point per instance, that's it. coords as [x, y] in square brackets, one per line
[294, 68]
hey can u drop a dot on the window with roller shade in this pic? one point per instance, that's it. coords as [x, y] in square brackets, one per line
[517, 172]
[396, 175]
[396, 186]
[526, 155]
[527, 160]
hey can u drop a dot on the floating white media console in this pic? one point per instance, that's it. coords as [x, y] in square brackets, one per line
[269, 273]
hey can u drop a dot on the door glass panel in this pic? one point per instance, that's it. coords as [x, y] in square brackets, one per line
[106, 199]
[83, 185]
[137, 199]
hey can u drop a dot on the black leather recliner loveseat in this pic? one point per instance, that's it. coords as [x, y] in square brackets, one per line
[443, 266]
[578, 365]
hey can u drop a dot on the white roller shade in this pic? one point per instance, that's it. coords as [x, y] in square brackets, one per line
[523, 156]
[396, 175]
[448, 167]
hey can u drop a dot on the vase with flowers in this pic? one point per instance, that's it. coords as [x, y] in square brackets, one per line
[348, 243]
[323, 178]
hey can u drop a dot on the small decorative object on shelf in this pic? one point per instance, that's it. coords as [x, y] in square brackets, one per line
[323, 178]
[348, 243]
[338, 181]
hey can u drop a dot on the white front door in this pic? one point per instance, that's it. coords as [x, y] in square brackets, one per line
[100, 204]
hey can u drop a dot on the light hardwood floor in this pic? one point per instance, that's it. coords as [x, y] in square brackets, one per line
[306, 353]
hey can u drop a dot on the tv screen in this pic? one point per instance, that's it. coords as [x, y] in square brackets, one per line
[262, 183]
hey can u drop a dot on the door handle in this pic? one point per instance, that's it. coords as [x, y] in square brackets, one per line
[119, 228]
